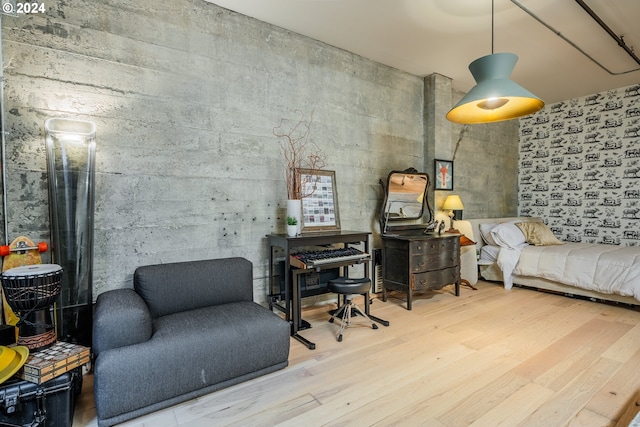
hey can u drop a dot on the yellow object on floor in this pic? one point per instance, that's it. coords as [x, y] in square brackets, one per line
[11, 360]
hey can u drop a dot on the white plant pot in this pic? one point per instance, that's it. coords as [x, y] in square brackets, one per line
[292, 230]
[294, 210]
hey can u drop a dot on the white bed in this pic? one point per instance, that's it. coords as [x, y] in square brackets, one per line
[594, 271]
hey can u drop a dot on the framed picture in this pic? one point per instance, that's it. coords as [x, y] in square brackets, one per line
[443, 174]
[319, 200]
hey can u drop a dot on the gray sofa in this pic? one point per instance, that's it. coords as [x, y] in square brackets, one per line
[185, 330]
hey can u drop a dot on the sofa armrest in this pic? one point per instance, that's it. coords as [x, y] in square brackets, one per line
[120, 318]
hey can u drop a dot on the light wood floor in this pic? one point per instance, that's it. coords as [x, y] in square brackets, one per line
[487, 358]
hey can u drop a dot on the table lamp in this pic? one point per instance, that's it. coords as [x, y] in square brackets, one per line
[454, 205]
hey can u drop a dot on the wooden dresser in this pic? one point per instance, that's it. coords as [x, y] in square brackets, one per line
[414, 261]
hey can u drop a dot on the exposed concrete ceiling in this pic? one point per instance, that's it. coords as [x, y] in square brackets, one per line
[443, 36]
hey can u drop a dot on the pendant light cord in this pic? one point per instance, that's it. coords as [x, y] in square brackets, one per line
[492, 17]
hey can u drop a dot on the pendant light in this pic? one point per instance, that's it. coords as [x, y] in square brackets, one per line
[495, 97]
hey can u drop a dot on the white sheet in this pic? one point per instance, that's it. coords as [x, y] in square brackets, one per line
[488, 254]
[608, 269]
[507, 261]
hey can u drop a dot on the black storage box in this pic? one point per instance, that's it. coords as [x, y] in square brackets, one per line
[50, 404]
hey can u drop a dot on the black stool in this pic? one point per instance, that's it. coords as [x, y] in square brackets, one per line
[349, 288]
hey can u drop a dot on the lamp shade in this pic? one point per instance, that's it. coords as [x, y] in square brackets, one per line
[453, 203]
[495, 97]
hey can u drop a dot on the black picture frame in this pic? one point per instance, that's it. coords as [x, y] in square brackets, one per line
[443, 175]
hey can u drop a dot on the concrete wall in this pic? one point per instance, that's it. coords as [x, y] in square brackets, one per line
[486, 169]
[185, 95]
[485, 156]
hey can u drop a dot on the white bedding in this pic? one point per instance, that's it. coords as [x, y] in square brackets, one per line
[604, 268]
[507, 261]
[488, 254]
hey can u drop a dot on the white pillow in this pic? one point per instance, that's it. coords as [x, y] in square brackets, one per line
[508, 235]
[485, 233]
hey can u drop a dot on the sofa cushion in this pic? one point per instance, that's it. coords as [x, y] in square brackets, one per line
[175, 287]
[189, 351]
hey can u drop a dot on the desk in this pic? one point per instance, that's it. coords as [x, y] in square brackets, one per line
[293, 302]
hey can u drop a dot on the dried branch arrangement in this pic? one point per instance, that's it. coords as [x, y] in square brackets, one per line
[299, 153]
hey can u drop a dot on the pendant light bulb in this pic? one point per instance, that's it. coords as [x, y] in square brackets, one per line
[492, 103]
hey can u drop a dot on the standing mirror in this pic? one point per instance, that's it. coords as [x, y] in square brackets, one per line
[405, 197]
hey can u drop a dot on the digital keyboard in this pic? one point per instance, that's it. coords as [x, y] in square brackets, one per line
[320, 258]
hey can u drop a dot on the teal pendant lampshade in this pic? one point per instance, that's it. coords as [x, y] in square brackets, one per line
[495, 97]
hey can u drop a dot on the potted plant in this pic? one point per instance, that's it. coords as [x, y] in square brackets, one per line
[299, 153]
[292, 226]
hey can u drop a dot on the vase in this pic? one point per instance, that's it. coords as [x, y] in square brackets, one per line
[292, 230]
[294, 210]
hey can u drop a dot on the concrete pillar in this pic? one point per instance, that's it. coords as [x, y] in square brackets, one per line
[437, 129]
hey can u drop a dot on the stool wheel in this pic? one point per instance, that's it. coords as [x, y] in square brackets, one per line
[374, 326]
[340, 338]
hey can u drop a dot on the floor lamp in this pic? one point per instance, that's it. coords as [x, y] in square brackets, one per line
[71, 169]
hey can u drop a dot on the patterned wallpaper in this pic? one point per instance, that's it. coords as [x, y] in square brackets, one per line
[580, 167]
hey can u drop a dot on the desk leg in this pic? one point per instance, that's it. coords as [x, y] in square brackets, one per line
[367, 310]
[287, 295]
[310, 345]
[367, 300]
[297, 313]
[270, 277]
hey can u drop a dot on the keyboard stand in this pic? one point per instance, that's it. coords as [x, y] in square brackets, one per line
[293, 303]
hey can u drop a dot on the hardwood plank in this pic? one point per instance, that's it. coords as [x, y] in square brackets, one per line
[428, 392]
[559, 363]
[626, 347]
[586, 418]
[614, 397]
[484, 400]
[271, 416]
[517, 406]
[565, 405]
